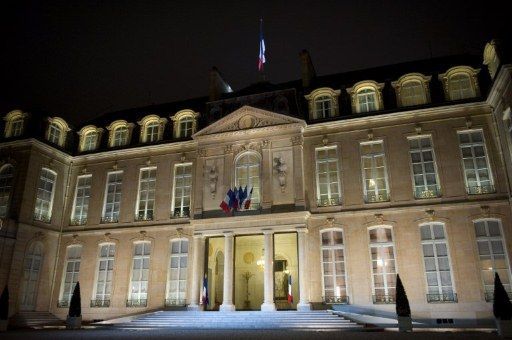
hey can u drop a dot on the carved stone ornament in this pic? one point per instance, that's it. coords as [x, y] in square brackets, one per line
[469, 123]
[265, 144]
[379, 218]
[228, 148]
[281, 169]
[370, 134]
[325, 140]
[148, 161]
[75, 239]
[486, 210]
[115, 166]
[107, 237]
[212, 179]
[330, 222]
[84, 170]
[201, 152]
[418, 129]
[142, 234]
[431, 214]
[297, 140]
[183, 157]
[179, 232]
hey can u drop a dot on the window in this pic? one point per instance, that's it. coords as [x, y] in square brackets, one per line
[412, 93]
[492, 253]
[333, 267]
[44, 197]
[436, 258]
[327, 176]
[152, 132]
[323, 107]
[185, 123]
[146, 196]
[104, 275]
[140, 275]
[112, 197]
[82, 196]
[460, 87]
[423, 164]
[151, 128]
[119, 133]
[247, 173]
[54, 133]
[90, 141]
[375, 177]
[6, 177]
[57, 130]
[17, 127]
[120, 136]
[382, 251]
[182, 190]
[186, 127]
[366, 100]
[70, 274]
[177, 274]
[477, 171]
[460, 82]
[89, 138]
[14, 123]
[31, 268]
[323, 103]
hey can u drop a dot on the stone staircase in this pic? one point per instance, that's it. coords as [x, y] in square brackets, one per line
[235, 320]
[34, 320]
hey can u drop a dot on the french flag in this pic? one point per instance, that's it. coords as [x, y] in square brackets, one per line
[290, 296]
[247, 203]
[226, 203]
[261, 58]
[204, 299]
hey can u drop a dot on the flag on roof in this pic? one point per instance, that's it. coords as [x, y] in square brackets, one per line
[261, 58]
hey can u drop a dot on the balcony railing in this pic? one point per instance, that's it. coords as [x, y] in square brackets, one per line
[489, 296]
[42, 218]
[481, 189]
[445, 297]
[78, 221]
[327, 202]
[137, 303]
[375, 198]
[333, 300]
[98, 303]
[178, 213]
[175, 302]
[432, 192]
[384, 299]
[63, 304]
[108, 219]
[142, 218]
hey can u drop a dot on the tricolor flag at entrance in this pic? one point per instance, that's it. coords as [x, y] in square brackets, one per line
[290, 296]
[204, 296]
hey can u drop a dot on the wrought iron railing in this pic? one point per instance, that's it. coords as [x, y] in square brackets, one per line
[444, 297]
[327, 202]
[108, 219]
[481, 189]
[78, 221]
[63, 304]
[42, 218]
[142, 217]
[178, 213]
[384, 299]
[332, 300]
[100, 303]
[137, 303]
[175, 302]
[489, 296]
[375, 198]
[432, 192]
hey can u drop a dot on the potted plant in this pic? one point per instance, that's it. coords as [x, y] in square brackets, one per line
[74, 320]
[4, 309]
[502, 309]
[403, 311]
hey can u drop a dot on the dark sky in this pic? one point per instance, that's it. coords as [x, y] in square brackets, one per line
[78, 59]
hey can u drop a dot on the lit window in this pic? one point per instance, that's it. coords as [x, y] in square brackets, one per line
[375, 177]
[477, 171]
[382, 252]
[6, 177]
[152, 132]
[90, 141]
[182, 190]
[323, 103]
[460, 82]
[44, 197]
[423, 164]
[70, 274]
[177, 274]
[185, 122]
[247, 173]
[323, 107]
[14, 123]
[112, 197]
[120, 136]
[186, 126]
[366, 100]
[333, 267]
[146, 201]
[460, 87]
[31, 268]
[54, 133]
[140, 275]
[327, 176]
[82, 196]
[412, 93]
[104, 275]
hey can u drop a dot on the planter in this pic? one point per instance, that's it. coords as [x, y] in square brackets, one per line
[504, 328]
[74, 322]
[3, 325]
[404, 324]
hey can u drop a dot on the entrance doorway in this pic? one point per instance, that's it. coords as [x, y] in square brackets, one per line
[31, 268]
[215, 272]
[286, 271]
[248, 275]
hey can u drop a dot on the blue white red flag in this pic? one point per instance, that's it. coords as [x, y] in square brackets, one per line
[261, 58]
[235, 201]
[204, 298]
[225, 203]
[247, 203]
[290, 296]
[242, 195]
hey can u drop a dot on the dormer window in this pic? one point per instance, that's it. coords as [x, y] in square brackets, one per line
[323, 103]
[54, 133]
[366, 96]
[14, 123]
[120, 136]
[460, 83]
[120, 133]
[412, 89]
[185, 123]
[151, 128]
[89, 138]
[57, 130]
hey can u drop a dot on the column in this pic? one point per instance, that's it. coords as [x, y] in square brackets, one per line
[298, 172]
[303, 304]
[197, 272]
[227, 303]
[268, 273]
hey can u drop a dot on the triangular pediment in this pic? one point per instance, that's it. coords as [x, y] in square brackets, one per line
[248, 118]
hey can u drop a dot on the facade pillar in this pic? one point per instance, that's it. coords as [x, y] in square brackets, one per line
[268, 273]
[227, 303]
[197, 272]
[303, 304]
[298, 175]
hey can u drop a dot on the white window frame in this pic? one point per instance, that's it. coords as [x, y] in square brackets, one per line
[102, 300]
[186, 126]
[180, 282]
[75, 262]
[112, 212]
[152, 131]
[412, 96]
[387, 297]
[461, 93]
[182, 212]
[425, 191]
[365, 93]
[337, 296]
[54, 133]
[324, 107]
[6, 187]
[330, 199]
[90, 141]
[147, 213]
[256, 194]
[84, 201]
[140, 299]
[479, 189]
[39, 201]
[120, 136]
[377, 196]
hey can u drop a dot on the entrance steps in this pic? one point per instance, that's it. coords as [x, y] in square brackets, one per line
[236, 320]
[34, 320]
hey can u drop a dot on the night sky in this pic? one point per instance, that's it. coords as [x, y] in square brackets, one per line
[78, 59]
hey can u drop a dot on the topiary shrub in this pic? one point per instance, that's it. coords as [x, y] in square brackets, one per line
[501, 306]
[402, 303]
[4, 304]
[75, 309]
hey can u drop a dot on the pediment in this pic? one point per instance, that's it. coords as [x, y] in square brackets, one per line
[248, 118]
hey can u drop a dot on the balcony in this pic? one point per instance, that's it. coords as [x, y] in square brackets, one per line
[441, 298]
[431, 192]
[376, 198]
[489, 296]
[98, 303]
[137, 303]
[42, 218]
[383, 299]
[336, 300]
[480, 190]
[63, 304]
[143, 218]
[175, 302]
[108, 219]
[181, 213]
[327, 202]
[78, 221]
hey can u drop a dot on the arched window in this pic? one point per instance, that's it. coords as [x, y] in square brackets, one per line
[57, 130]
[247, 173]
[151, 128]
[70, 274]
[89, 138]
[186, 127]
[31, 268]
[323, 107]
[120, 136]
[460, 82]
[120, 133]
[177, 273]
[152, 132]
[383, 264]
[366, 99]
[14, 123]
[185, 123]
[333, 266]
[366, 96]
[44, 197]
[6, 177]
[104, 275]
[412, 89]
[54, 133]
[323, 103]
[90, 141]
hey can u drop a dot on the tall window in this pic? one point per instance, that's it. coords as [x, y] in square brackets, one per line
[146, 201]
[54, 133]
[182, 190]
[177, 274]
[412, 93]
[70, 275]
[120, 136]
[323, 107]
[477, 172]
[82, 196]
[333, 267]
[247, 173]
[112, 197]
[31, 268]
[6, 177]
[90, 141]
[461, 87]
[375, 177]
[382, 252]
[437, 263]
[493, 255]
[186, 126]
[327, 176]
[152, 132]
[104, 275]
[423, 163]
[45, 193]
[366, 100]
[140, 275]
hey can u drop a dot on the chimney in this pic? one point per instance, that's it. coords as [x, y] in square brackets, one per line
[217, 85]
[306, 68]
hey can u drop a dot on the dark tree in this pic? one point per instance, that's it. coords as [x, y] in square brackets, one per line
[4, 304]
[502, 307]
[402, 303]
[75, 309]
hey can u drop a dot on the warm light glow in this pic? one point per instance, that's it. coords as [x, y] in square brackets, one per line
[372, 183]
[380, 262]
